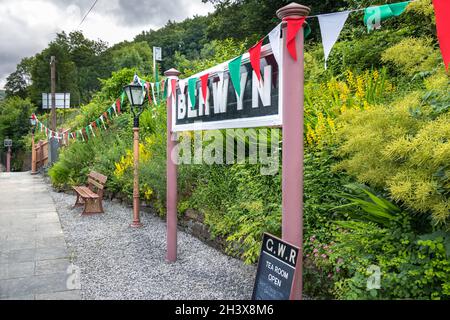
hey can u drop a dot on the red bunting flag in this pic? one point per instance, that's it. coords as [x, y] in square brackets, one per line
[442, 10]
[94, 125]
[105, 115]
[118, 105]
[293, 27]
[204, 81]
[255, 58]
[174, 88]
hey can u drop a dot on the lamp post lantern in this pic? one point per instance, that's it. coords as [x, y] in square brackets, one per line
[136, 95]
[33, 151]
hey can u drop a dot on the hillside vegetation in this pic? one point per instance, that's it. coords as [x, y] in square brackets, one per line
[377, 145]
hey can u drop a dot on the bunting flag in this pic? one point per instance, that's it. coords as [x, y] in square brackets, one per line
[204, 84]
[81, 133]
[122, 97]
[118, 104]
[275, 43]
[173, 85]
[153, 93]
[234, 66]
[103, 121]
[157, 80]
[105, 116]
[147, 87]
[306, 30]
[192, 86]
[442, 11]
[293, 27]
[182, 85]
[158, 87]
[330, 28]
[374, 15]
[255, 58]
[164, 88]
[92, 130]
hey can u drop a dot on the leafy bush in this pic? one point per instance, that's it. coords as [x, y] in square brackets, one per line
[388, 147]
[412, 55]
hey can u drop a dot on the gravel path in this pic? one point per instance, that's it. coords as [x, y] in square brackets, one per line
[119, 262]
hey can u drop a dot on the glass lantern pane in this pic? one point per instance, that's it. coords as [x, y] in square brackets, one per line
[138, 95]
[128, 92]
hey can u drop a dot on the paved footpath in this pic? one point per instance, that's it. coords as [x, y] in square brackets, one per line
[34, 260]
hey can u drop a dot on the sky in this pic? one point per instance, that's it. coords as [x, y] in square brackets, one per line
[27, 26]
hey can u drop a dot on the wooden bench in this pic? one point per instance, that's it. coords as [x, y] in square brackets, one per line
[91, 196]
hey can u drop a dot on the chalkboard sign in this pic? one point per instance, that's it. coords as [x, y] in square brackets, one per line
[276, 269]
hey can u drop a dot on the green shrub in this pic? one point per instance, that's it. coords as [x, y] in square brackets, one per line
[412, 55]
[404, 148]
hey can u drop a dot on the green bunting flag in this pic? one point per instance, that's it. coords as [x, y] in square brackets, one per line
[374, 15]
[306, 30]
[192, 84]
[122, 97]
[235, 73]
[165, 89]
[158, 89]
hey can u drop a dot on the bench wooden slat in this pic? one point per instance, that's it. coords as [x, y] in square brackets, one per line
[85, 192]
[97, 176]
[95, 183]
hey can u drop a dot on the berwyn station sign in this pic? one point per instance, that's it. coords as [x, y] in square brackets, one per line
[256, 105]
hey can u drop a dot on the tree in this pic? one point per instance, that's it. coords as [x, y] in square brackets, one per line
[133, 55]
[18, 82]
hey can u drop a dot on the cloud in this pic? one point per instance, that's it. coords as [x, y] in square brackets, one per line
[31, 24]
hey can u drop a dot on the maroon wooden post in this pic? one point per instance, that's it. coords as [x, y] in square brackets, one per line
[292, 175]
[8, 160]
[33, 155]
[171, 176]
[136, 205]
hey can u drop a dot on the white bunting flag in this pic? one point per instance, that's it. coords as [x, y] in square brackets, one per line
[81, 133]
[92, 130]
[114, 108]
[169, 87]
[182, 85]
[103, 122]
[275, 42]
[153, 93]
[330, 27]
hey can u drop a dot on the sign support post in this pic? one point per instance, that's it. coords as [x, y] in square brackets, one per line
[8, 160]
[171, 176]
[292, 161]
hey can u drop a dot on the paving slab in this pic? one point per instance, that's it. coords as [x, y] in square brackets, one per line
[34, 260]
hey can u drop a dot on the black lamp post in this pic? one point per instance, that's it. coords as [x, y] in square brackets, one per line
[33, 151]
[136, 95]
